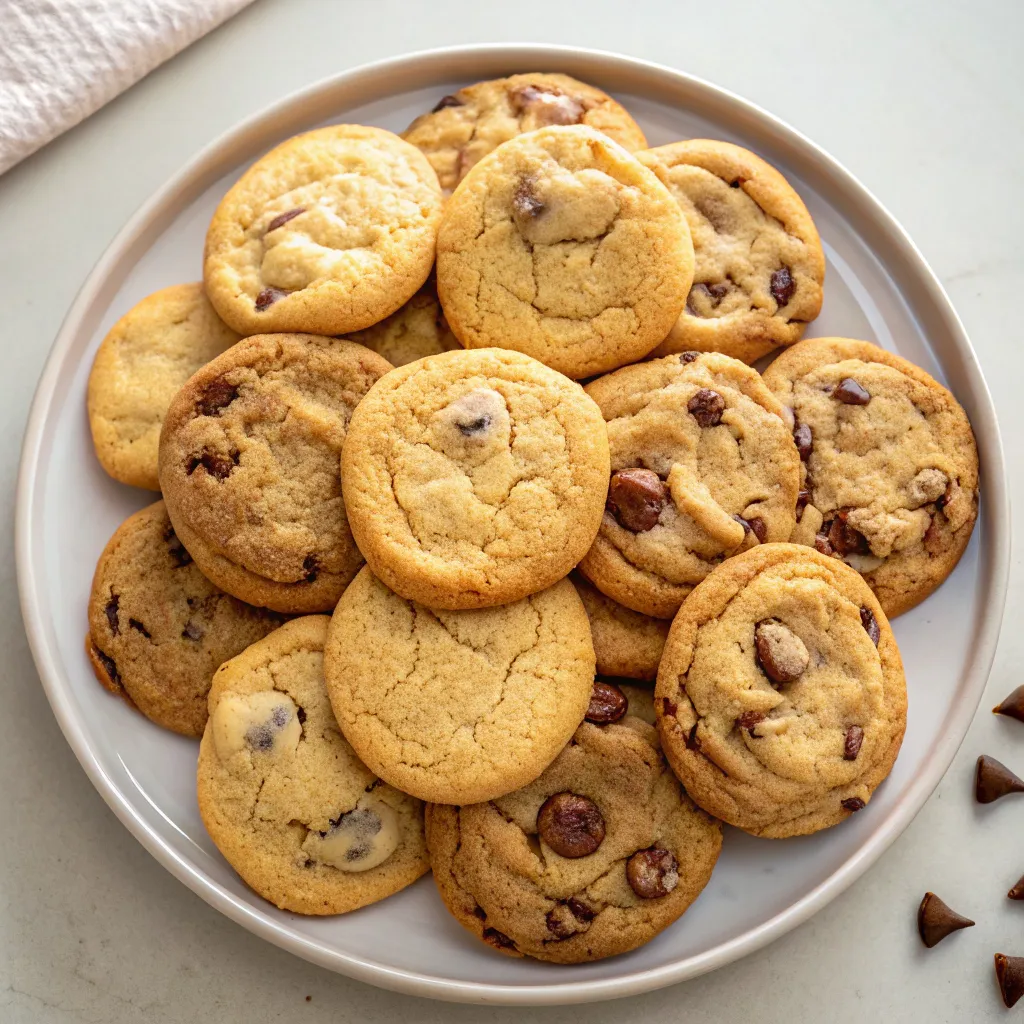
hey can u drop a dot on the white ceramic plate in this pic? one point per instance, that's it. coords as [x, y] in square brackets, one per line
[877, 287]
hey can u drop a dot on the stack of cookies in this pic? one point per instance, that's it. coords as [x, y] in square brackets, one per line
[430, 603]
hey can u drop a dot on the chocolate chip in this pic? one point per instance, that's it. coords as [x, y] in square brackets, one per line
[692, 740]
[607, 704]
[854, 804]
[668, 707]
[283, 218]
[757, 525]
[447, 101]
[1010, 975]
[780, 652]
[844, 539]
[993, 780]
[473, 427]
[564, 920]
[547, 105]
[782, 286]
[706, 407]
[749, 719]
[854, 741]
[179, 556]
[1017, 892]
[268, 297]
[803, 496]
[526, 204]
[499, 940]
[479, 912]
[935, 920]
[580, 910]
[849, 392]
[821, 544]
[139, 627]
[1012, 706]
[636, 498]
[652, 873]
[300, 714]
[803, 437]
[109, 666]
[218, 394]
[214, 463]
[192, 631]
[736, 184]
[310, 568]
[688, 357]
[111, 613]
[571, 825]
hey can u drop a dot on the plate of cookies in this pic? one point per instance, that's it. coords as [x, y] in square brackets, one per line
[506, 524]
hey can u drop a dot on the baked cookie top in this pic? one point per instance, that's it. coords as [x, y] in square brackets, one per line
[158, 628]
[702, 466]
[596, 857]
[758, 261]
[471, 122]
[145, 357]
[249, 467]
[780, 698]
[561, 245]
[890, 464]
[330, 232]
[284, 797]
[474, 478]
[458, 706]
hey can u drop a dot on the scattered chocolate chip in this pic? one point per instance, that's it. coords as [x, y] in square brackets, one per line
[497, 939]
[688, 357]
[935, 920]
[780, 652]
[111, 613]
[137, 625]
[268, 297]
[547, 105]
[782, 286]
[993, 780]
[282, 218]
[854, 804]
[749, 719]
[109, 666]
[1017, 892]
[849, 392]
[802, 498]
[692, 741]
[843, 538]
[192, 631]
[526, 204]
[1010, 975]
[607, 704]
[1012, 706]
[870, 623]
[706, 407]
[803, 437]
[218, 394]
[821, 544]
[571, 825]
[310, 568]
[214, 463]
[854, 741]
[636, 498]
[652, 873]
[447, 101]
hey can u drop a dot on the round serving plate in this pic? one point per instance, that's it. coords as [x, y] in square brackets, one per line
[877, 287]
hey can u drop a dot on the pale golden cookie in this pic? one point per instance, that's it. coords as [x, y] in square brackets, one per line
[458, 706]
[284, 797]
[250, 467]
[758, 261]
[703, 467]
[474, 478]
[330, 232]
[781, 700]
[468, 124]
[561, 245]
[890, 465]
[145, 357]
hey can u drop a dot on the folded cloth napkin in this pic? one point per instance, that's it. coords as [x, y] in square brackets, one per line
[60, 60]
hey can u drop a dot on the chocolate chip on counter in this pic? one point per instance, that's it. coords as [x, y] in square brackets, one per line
[217, 395]
[310, 568]
[282, 218]
[935, 920]
[447, 101]
[192, 631]
[636, 498]
[782, 286]
[526, 204]
[849, 392]
[1017, 892]
[688, 356]
[749, 719]
[499, 940]
[993, 780]
[870, 624]
[139, 628]
[607, 704]
[803, 437]
[1012, 706]
[1010, 975]
[268, 297]
[217, 465]
[780, 652]
[854, 804]
[111, 612]
[803, 497]
[571, 825]
[706, 407]
[843, 538]
[652, 873]
[853, 742]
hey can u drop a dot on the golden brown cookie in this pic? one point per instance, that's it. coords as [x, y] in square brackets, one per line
[781, 700]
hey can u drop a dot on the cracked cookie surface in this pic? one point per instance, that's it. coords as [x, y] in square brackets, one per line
[158, 628]
[330, 232]
[702, 466]
[474, 478]
[781, 700]
[458, 706]
[561, 245]
[471, 122]
[285, 799]
[890, 465]
[639, 852]
[758, 261]
[139, 367]
[249, 467]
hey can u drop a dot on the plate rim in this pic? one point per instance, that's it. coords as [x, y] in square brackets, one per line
[197, 173]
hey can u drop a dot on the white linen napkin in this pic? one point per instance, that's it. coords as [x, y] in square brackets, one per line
[60, 60]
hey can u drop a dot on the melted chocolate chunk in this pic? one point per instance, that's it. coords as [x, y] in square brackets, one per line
[782, 286]
[497, 939]
[217, 395]
[140, 628]
[749, 719]
[282, 218]
[803, 497]
[636, 498]
[475, 427]
[111, 612]
[853, 742]
[526, 204]
[109, 666]
[854, 804]
[268, 297]
[607, 704]
[803, 437]
[692, 740]
[652, 873]
[310, 568]
[994, 780]
[849, 392]
[935, 920]
[176, 550]
[571, 825]
[844, 539]
[688, 357]
[217, 465]
[706, 407]
[821, 544]
[447, 101]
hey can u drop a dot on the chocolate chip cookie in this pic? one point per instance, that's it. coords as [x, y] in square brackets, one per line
[468, 124]
[890, 466]
[249, 467]
[284, 797]
[158, 628]
[595, 858]
[474, 478]
[458, 706]
[780, 698]
[758, 261]
[147, 355]
[330, 232]
[561, 245]
[703, 466]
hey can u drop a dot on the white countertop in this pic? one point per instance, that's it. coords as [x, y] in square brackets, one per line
[924, 102]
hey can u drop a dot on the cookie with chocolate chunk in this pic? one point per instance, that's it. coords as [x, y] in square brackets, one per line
[468, 124]
[780, 699]
[285, 799]
[890, 465]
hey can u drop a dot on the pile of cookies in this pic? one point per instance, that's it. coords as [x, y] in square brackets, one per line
[432, 604]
